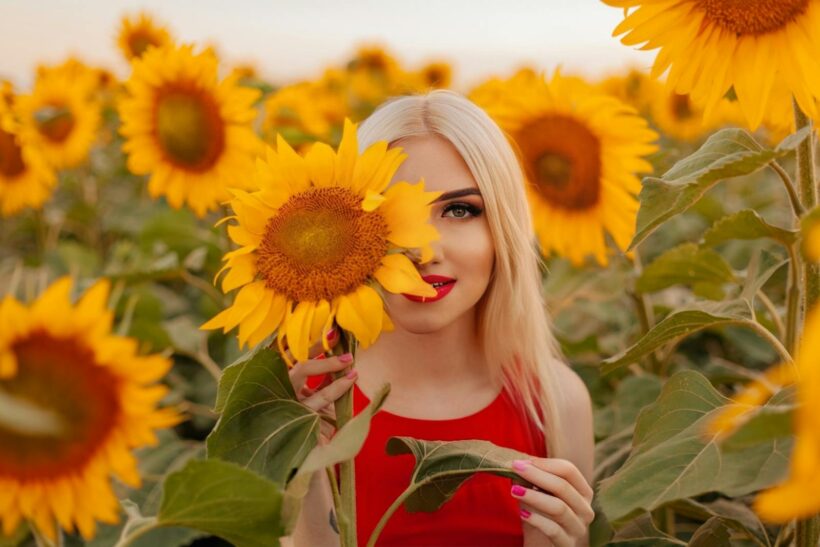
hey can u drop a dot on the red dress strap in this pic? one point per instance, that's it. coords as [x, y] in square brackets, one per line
[481, 513]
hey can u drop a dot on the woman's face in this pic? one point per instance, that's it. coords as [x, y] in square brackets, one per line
[464, 256]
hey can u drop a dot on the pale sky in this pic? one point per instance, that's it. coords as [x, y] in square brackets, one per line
[288, 40]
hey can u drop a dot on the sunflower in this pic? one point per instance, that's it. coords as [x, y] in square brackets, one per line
[192, 133]
[83, 400]
[635, 88]
[26, 180]
[580, 150]
[307, 108]
[679, 117]
[314, 235]
[60, 117]
[137, 34]
[435, 75]
[710, 46]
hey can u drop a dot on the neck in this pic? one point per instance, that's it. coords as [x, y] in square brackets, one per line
[452, 355]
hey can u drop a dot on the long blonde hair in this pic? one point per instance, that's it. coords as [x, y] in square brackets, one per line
[512, 320]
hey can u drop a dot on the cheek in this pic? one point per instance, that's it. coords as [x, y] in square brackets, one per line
[473, 255]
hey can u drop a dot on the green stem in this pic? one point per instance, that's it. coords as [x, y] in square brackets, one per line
[764, 333]
[807, 531]
[808, 195]
[797, 207]
[773, 315]
[346, 511]
[793, 300]
[386, 516]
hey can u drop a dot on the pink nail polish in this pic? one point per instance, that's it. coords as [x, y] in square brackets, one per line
[320, 357]
[524, 514]
[520, 465]
[518, 490]
[352, 374]
[346, 358]
[331, 336]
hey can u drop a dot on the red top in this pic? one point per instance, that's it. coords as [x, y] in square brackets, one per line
[481, 513]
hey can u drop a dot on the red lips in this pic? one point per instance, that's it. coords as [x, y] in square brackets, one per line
[447, 284]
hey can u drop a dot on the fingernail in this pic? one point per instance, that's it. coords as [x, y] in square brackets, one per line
[321, 356]
[352, 374]
[524, 514]
[331, 336]
[520, 465]
[518, 490]
[346, 358]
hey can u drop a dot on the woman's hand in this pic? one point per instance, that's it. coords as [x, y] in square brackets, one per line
[558, 512]
[323, 398]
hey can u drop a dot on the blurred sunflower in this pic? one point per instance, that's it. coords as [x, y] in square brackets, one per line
[314, 235]
[635, 88]
[303, 111]
[82, 400]
[137, 34]
[192, 133]
[26, 180]
[710, 46]
[436, 75]
[60, 116]
[677, 116]
[580, 150]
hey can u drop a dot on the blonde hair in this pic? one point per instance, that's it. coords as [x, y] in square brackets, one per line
[513, 324]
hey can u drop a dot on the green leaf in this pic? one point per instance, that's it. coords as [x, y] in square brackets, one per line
[680, 324]
[441, 467]
[734, 514]
[226, 500]
[687, 264]
[746, 224]
[641, 532]
[772, 421]
[632, 394]
[263, 427]
[673, 457]
[713, 533]
[726, 154]
[344, 445]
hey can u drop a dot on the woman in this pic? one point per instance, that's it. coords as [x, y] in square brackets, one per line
[477, 361]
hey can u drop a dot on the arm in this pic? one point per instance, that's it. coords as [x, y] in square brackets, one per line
[559, 511]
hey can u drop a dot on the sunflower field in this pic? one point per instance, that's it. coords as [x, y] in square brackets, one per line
[164, 233]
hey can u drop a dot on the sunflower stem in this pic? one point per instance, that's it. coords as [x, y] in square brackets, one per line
[346, 511]
[793, 300]
[807, 531]
[794, 199]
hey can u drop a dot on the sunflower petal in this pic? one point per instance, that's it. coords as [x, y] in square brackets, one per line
[361, 313]
[398, 275]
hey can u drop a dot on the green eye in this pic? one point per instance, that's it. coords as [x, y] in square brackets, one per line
[461, 210]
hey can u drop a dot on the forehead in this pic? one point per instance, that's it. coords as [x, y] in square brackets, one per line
[436, 160]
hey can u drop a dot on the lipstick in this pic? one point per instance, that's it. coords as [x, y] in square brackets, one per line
[442, 284]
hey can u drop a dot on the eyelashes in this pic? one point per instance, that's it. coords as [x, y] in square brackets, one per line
[462, 210]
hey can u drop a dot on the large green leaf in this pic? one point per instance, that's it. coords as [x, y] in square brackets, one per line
[746, 224]
[726, 154]
[713, 533]
[680, 324]
[344, 445]
[772, 421]
[226, 500]
[642, 532]
[263, 426]
[673, 457]
[735, 514]
[703, 269]
[441, 467]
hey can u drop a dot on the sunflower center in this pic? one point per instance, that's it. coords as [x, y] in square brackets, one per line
[189, 127]
[752, 16]
[321, 245]
[70, 403]
[139, 41]
[54, 122]
[11, 156]
[561, 158]
[681, 107]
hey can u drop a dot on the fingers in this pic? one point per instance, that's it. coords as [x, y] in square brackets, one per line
[300, 371]
[328, 395]
[566, 470]
[551, 507]
[556, 534]
[558, 486]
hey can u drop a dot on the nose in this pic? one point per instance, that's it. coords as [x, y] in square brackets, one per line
[437, 258]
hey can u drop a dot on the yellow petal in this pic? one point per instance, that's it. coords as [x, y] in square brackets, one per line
[398, 275]
[321, 164]
[372, 201]
[242, 271]
[347, 154]
[276, 313]
[297, 326]
[407, 210]
[360, 312]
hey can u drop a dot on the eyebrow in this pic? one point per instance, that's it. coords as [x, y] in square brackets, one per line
[458, 194]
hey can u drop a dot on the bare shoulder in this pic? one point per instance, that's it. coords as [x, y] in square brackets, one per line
[575, 416]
